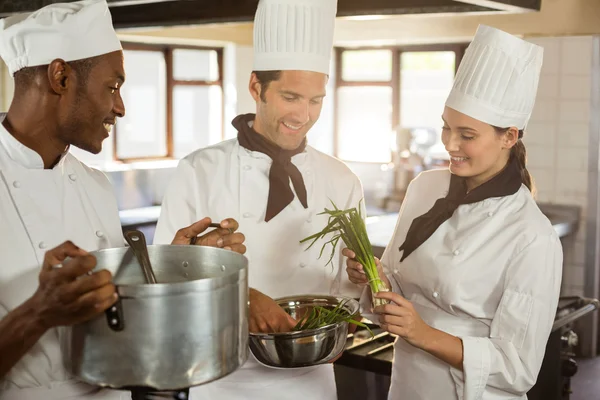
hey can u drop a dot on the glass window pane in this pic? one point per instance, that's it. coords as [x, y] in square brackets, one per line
[367, 65]
[141, 133]
[426, 80]
[195, 65]
[197, 118]
[365, 123]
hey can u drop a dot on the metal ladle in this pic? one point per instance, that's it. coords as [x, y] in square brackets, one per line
[137, 242]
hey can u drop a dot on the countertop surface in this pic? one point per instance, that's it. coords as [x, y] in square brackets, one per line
[380, 228]
[564, 218]
[139, 216]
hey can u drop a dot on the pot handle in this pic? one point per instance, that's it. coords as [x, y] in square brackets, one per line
[114, 316]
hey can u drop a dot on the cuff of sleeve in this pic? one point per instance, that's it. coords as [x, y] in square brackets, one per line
[472, 380]
[366, 306]
[366, 301]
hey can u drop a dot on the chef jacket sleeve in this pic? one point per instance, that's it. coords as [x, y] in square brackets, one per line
[343, 285]
[510, 359]
[178, 208]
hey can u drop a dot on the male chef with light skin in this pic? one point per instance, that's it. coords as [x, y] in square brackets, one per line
[275, 185]
[67, 64]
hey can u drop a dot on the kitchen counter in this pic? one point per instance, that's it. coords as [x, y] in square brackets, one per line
[139, 216]
[564, 218]
[380, 228]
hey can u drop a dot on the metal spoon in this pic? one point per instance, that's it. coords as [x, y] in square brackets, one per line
[137, 242]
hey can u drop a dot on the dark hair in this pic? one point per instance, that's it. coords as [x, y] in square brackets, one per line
[519, 153]
[264, 78]
[24, 77]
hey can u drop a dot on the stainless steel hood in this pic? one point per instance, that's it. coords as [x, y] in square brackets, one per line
[156, 13]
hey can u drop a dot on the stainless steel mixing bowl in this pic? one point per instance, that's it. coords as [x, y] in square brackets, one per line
[303, 348]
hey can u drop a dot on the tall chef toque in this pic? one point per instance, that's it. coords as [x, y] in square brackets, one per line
[497, 79]
[70, 31]
[294, 35]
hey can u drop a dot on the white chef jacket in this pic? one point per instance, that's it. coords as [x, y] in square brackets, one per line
[40, 209]
[490, 275]
[227, 180]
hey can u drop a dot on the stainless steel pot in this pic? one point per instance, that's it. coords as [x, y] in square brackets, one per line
[188, 329]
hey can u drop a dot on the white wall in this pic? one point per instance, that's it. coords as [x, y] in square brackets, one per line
[2, 89]
[557, 139]
[244, 57]
[6, 87]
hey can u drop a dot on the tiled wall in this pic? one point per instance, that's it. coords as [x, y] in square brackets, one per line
[557, 139]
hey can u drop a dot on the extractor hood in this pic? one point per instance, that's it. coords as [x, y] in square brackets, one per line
[156, 13]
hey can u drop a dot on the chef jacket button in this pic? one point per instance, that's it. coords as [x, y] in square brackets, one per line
[435, 294]
[309, 220]
[395, 271]
[42, 245]
[16, 184]
[247, 167]
[490, 214]
[456, 252]
[73, 177]
[99, 234]
[247, 215]
[302, 265]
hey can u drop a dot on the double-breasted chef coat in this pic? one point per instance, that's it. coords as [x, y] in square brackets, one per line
[227, 180]
[40, 209]
[490, 275]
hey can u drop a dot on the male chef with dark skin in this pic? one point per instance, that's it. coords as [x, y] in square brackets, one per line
[54, 209]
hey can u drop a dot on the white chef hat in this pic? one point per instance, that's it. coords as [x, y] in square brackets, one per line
[294, 35]
[71, 31]
[497, 79]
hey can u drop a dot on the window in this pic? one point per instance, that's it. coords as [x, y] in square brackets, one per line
[379, 91]
[173, 101]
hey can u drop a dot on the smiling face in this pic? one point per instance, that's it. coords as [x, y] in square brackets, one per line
[477, 152]
[93, 103]
[292, 105]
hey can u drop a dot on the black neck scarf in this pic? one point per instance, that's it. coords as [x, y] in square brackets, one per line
[506, 183]
[282, 169]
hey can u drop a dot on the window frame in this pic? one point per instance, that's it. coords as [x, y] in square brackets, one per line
[394, 83]
[171, 83]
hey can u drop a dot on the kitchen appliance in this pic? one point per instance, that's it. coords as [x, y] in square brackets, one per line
[559, 366]
[188, 329]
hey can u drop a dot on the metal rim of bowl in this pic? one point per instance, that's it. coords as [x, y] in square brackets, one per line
[355, 307]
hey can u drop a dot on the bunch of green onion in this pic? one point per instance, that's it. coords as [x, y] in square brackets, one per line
[321, 316]
[349, 226]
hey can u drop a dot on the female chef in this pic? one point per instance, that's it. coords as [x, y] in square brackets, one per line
[474, 265]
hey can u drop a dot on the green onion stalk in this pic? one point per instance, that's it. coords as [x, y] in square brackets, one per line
[349, 226]
[321, 316]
